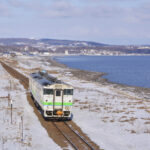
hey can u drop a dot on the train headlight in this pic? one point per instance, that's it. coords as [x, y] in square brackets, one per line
[67, 108]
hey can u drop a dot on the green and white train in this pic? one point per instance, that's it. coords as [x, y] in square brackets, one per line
[54, 97]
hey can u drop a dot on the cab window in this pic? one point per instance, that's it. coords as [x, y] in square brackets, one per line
[58, 93]
[68, 92]
[48, 92]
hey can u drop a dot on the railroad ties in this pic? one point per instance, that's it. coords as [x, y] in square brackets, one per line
[72, 136]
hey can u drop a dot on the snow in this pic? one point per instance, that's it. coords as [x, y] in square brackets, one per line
[35, 136]
[115, 118]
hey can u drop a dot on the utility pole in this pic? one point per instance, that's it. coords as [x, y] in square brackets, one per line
[11, 110]
[3, 142]
[9, 93]
[8, 99]
[22, 127]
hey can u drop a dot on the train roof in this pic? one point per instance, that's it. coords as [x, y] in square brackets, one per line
[45, 79]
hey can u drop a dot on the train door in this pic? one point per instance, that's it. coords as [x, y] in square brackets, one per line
[58, 100]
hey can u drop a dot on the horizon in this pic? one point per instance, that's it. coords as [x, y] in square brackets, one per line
[113, 22]
[32, 38]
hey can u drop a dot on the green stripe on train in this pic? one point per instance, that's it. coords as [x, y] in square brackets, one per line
[51, 103]
[56, 103]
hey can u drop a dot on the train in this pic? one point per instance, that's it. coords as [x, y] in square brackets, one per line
[52, 96]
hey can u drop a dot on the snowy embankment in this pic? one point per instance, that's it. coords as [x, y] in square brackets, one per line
[115, 117]
[34, 136]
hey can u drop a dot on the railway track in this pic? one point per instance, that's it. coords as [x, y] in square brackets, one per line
[72, 136]
[54, 129]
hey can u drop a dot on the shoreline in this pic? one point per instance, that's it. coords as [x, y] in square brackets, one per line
[79, 73]
[95, 76]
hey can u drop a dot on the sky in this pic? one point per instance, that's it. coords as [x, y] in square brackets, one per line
[104, 21]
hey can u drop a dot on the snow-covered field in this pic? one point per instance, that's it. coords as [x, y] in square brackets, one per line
[34, 136]
[114, 118]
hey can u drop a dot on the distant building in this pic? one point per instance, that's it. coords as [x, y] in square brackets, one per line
[6, 54]
[18, 53]
[34, 53]
[144, 47]
[26, 48]
[46, 53]
[66, 52]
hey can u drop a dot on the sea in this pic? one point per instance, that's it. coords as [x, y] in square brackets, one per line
[128, 70]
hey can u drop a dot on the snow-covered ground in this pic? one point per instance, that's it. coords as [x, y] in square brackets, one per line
[114, 118]
[34, 136]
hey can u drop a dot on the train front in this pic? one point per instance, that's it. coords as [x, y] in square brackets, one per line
[57, 101]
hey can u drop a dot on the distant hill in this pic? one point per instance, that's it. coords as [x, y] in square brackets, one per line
[16, 41]
[55, 46]
[27, 41]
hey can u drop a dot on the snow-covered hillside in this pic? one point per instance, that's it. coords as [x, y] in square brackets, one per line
[34, 136]
[115, 117]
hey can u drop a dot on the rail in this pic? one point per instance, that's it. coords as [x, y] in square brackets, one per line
[89, 145]
[75, 133]
[73, 145]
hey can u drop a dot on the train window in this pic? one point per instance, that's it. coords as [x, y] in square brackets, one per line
[48, 92]
[58, 93]
[68, 92]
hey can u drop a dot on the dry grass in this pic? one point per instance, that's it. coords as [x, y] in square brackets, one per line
[6, 88]
[112, 120]
[83, 102]
[133, 131]
[142, 107]
[138, 102]
[9, 108]
[9, 61]
[104, 117]
[147, 122]
[104, 121]
[53, 72]
[98, 109]
[124, 119]
[76, 101]
[118, 111]
[147, 131]
[85, 107]
[146, 119]
[19, 113]
[145, 107]
[108, 108]
[130, 112]
[147, 111]
[129, 103]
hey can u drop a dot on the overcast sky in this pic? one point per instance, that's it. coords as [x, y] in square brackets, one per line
[104, 21]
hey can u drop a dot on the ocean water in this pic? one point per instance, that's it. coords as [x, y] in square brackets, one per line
[129, 70]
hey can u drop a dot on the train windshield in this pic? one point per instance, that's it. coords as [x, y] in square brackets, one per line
[48, 92]
[68, 92]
